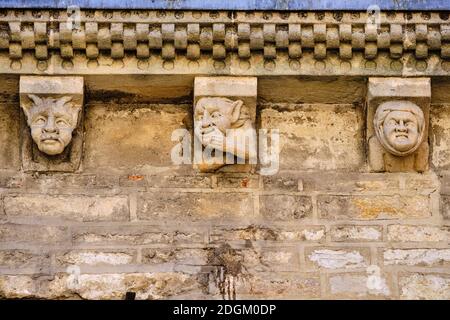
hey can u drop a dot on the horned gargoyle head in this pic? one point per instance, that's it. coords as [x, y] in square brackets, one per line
[52, 121]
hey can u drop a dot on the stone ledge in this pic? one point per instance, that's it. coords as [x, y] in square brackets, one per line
[246, 43]
[232, 4]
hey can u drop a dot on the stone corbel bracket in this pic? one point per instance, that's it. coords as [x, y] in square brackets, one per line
[397, 124]
[51, 123]
[224, 121]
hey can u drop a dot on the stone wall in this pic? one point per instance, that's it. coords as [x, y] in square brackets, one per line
[323, 227]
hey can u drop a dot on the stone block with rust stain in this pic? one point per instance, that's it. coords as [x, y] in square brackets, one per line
[51, 126]
[397, 124]
[224, 123]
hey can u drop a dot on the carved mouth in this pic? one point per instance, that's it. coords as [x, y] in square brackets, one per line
[404, 135]
[50, 140]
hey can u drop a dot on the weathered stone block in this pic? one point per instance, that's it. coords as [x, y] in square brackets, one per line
[374, 207]
[356, 233]
[178, 256]
[424, 182]
[445, 206]
[106, 181]
[440, 132]
[311, 90]
[134, 235]
[79, 208]
[320, 137]
[424, 286]
[272, 285]
[172, 181]
[9, 137]
[410, 233]
[283, 182]
[108, 286]
[44, 182]
[285, 207]
[265, 233]
[417, 257]
[61, 182]
[349, 182]
[245, 87]
[194, 206]
[351, 285]
[10, 179]
[261, 259]
[19, 286]
[337, 258]
[133, 181]
[33, 234]
[238, 182]
[52, 85]
[96, 257]
[242, 262]
[2, 211]
[130, 137]
[16, 259]
[146, 285]
[283, 285]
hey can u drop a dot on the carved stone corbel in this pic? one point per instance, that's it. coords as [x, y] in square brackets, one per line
[224, 123]
[397, 124]
[52, 135]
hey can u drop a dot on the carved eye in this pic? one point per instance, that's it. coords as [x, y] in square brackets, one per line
[216, 114]
[61, 122]
[393, 122]
[409, 124]
[39, 121]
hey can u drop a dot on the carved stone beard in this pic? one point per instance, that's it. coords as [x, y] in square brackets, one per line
[383, 110]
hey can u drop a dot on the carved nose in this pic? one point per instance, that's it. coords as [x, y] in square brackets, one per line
[206, 121]
[50, 126]
[401, 126]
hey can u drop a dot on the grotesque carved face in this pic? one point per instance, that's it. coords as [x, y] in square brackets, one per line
[221, 113]
[399, 126]
[401, 130]
[214, 116]
[52, 122]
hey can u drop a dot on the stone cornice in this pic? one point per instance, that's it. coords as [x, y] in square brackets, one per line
[241, 43]
[232, 4]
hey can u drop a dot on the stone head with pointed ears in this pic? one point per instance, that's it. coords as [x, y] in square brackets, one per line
[52, 121]
[216, 116]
